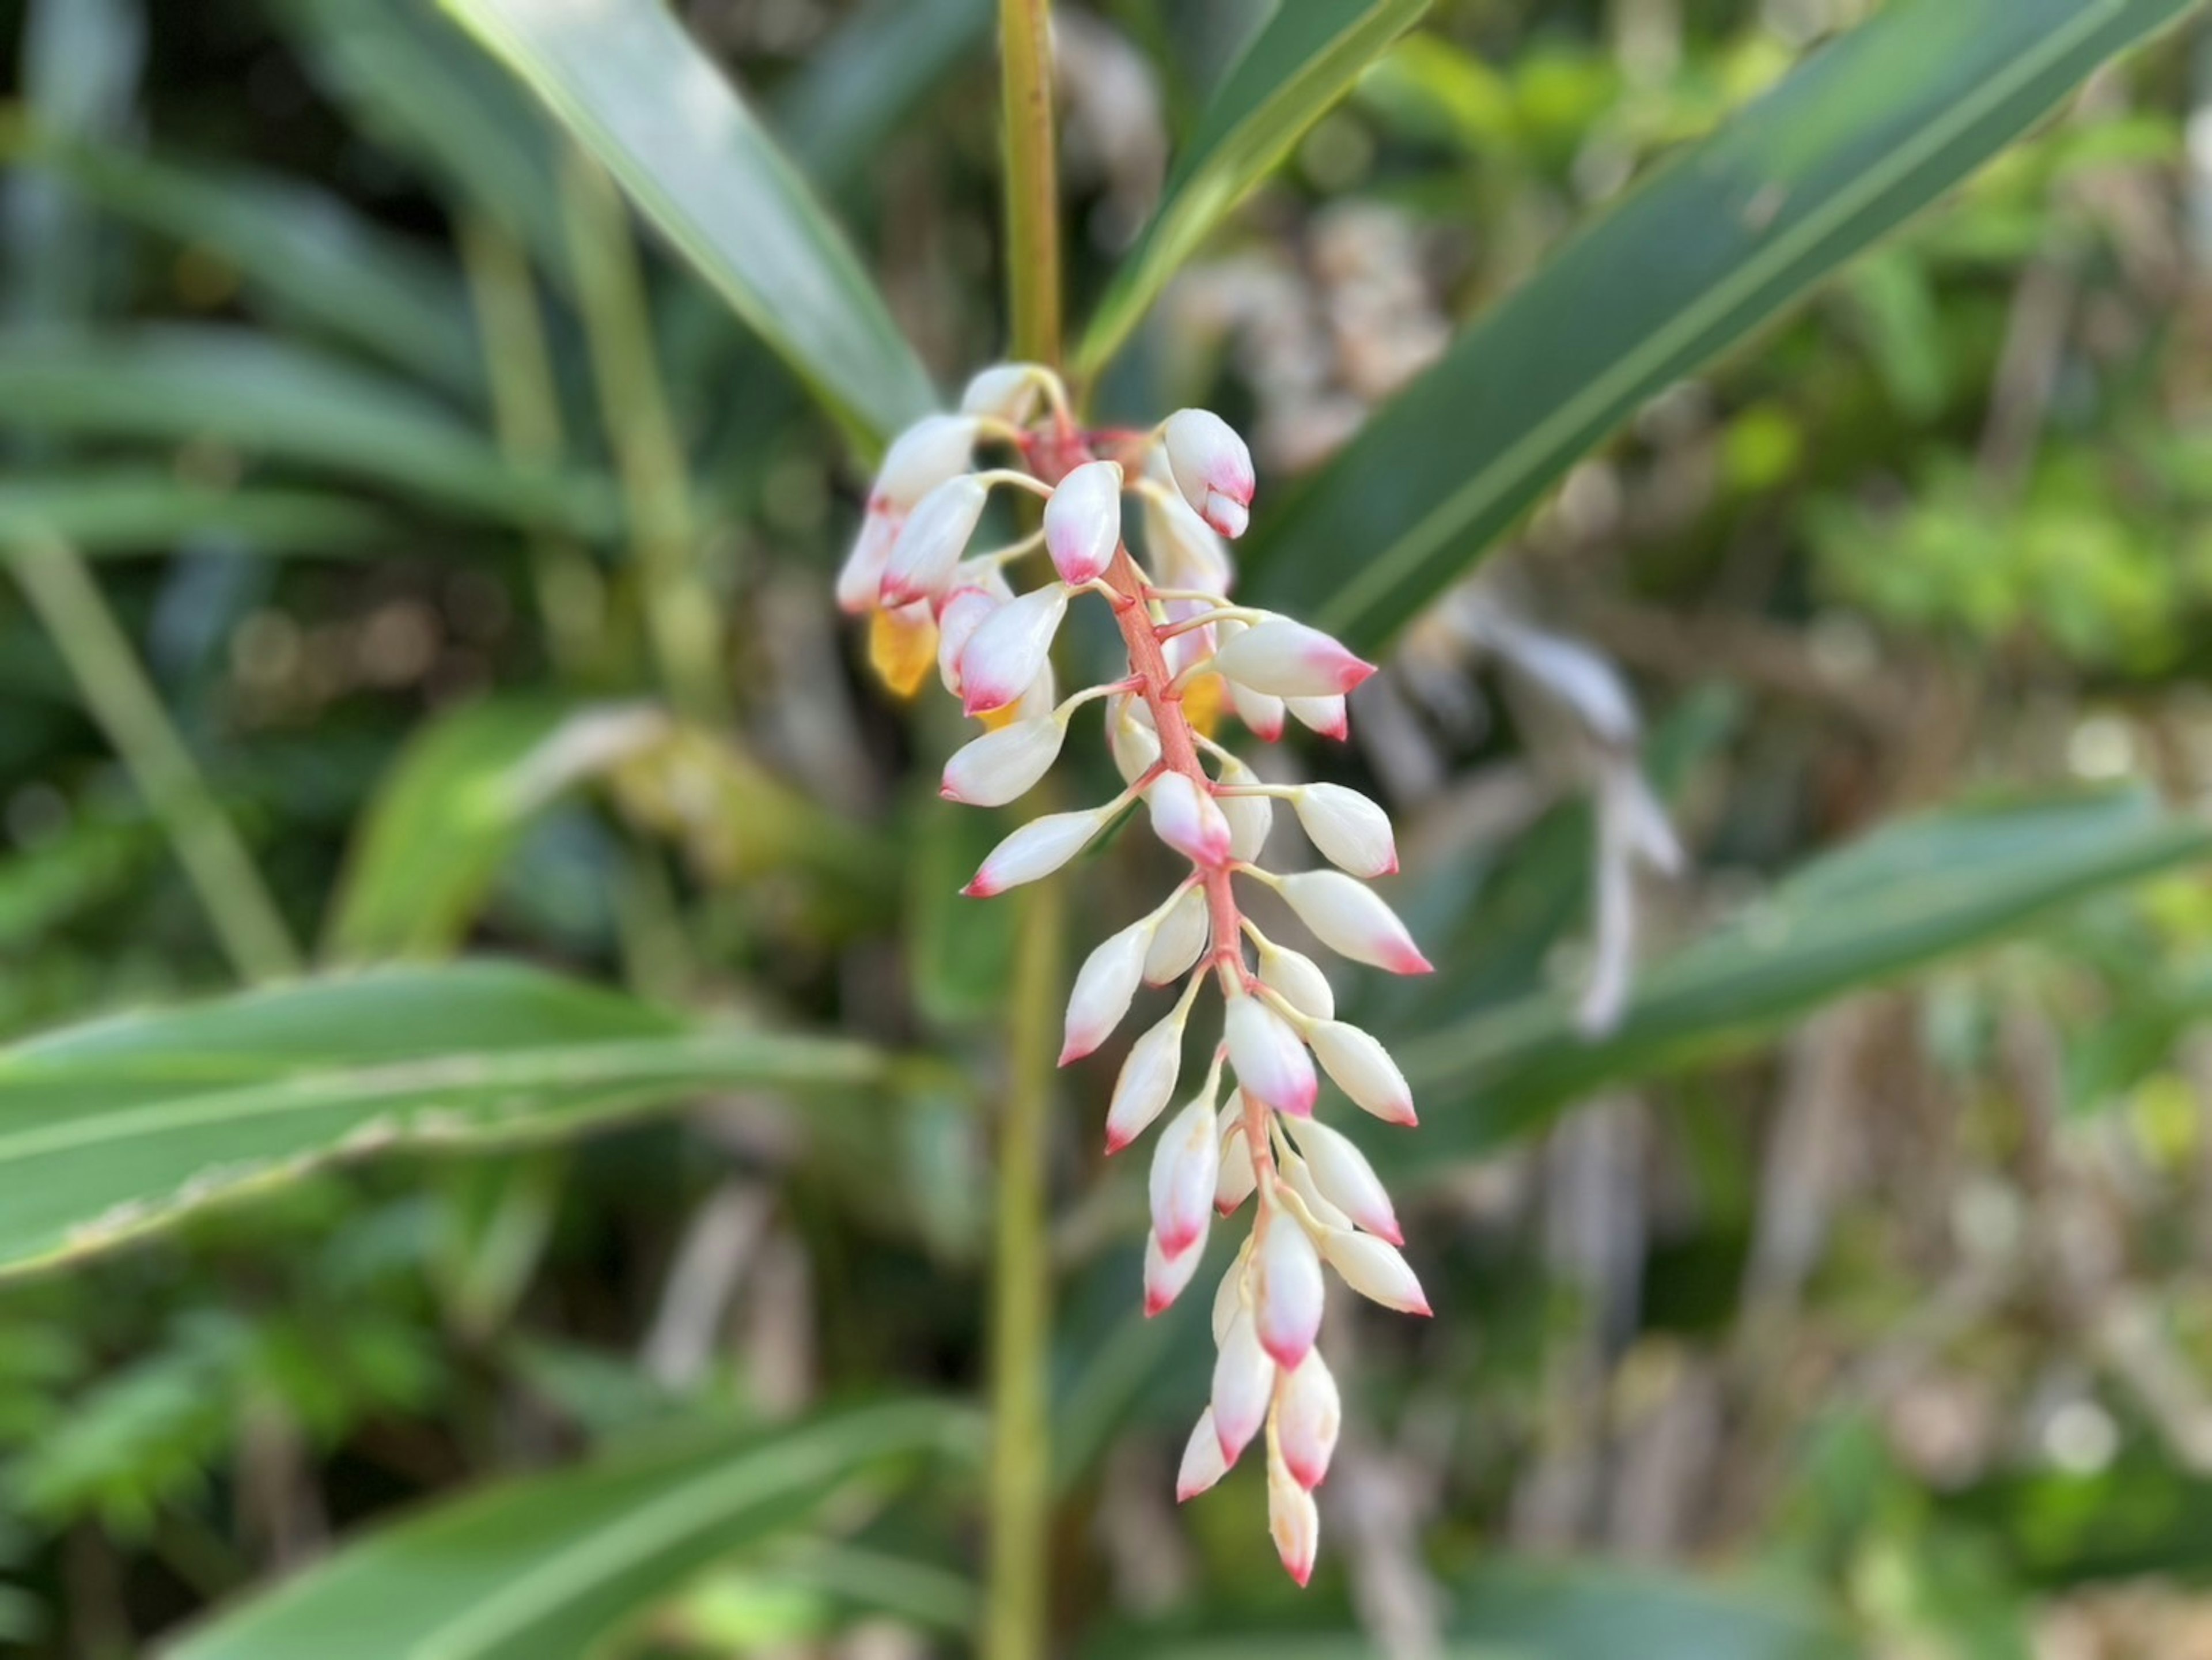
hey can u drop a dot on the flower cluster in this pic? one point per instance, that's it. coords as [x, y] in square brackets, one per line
[1190, 652]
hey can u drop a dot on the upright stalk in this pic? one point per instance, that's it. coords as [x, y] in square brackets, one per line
[1015, 1610]
[128, 710]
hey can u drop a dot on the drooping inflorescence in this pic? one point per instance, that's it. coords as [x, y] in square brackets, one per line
[1190, 650]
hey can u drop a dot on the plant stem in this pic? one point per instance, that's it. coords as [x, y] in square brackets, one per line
[1032, 166]
[682, 618]
[1021, 1446]
[128, 709]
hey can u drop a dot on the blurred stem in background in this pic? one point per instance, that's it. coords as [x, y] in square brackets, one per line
[1016, 1608]
[128, 710]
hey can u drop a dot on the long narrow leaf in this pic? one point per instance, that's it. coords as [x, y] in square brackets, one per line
[1868, 131]
[139, 510]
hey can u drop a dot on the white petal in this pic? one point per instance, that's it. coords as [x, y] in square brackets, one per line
[1211, 467]
[1007, 651]
[1364, 1070]
[1185, 1163]
[958, 619]
[1037, 849]
[1290, 660]
[1182, 935]
[1003, 766]
[1348, 919]
[1083, 521]
[1202, 1462]
[1103, 987]
[1343, 1176]
[1229, 1295]
[1236, 1179]
[932, 540]
[1007, 392]
[1243, 1379]
[1260, 710]
[1185, 551]
[1351, 832]
[1167, 1273]
[1288, 1315]
[1298, 1175]
[1189, 820]
[1298, 980]
[1269, 1059]
[1294, 1523]
[1325, 715]
[1308, 1414]
[1147, 1079]
[1250, 816]
[860, 578]
[1375, 1270]
[924, 456]
[1129, 735]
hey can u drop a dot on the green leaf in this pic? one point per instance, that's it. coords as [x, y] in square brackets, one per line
[1302, 61]
[181, 385]
[543, 1567]
[444, 819]
[1584, 1612]
[141, 510]
[112, 1129]
[1868, 131]
[842, 104]
[632, 87]
[1912, 892]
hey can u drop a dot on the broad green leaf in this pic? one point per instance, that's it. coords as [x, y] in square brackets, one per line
[445, 817]
[181, 385]
[144, 510]
[1867, 131]
[112, 1129]
[854, 90]
[1302, 61]
[632, 87]
[543, 1567]
[1912, 892]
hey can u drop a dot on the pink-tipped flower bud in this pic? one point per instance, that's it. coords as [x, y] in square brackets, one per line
[932, 539]
[1005, 765]
[1202, 1462]
[1375, 1270]
[1037, 850]
[1350, 919]
[1185, 1163]
[1104, 986]
[1325, 715]
[1294, 1523]
[1364, 1070]
[1083, 522]
[1182, 935]
[1166, 1273]
[1244, 1382]
[1259, 710]
[958, 619]
[1270, 1060]
[1251, 818]
[931, 451]
[1235, 1178]
[1342, 1176]
[1289, 659]
[1211, 468]
[1185, 552]
[1005, 392]
[1147, 1079]
[1288, 1312]
[1351, 832]
[1008, 650]
[1309, 1412]
[860, 578]
[1189, 820]
[1297, 980]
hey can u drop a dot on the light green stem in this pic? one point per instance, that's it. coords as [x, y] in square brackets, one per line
[1032, 163]
[59, 585]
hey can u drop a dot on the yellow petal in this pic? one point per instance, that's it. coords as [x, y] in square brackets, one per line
[1202, 702]
[902, 646]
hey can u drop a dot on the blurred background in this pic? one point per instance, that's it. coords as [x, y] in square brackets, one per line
[1855, 1312]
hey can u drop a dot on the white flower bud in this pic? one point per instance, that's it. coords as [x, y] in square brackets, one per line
[1299, 1179]
[1167, 1273]
[1235, 1178]
[1351, 832]
[1325, 715]
[1186, 553]
[1005, 653]
[860, 578]
[1003, 766]
[1351, 921]
[1294, 1523]
[1250, 816]
[1211, 468]
[1083, 521]
[1182, 935]
[1364, 1070]
[1189, 820]
[1270, 1060]
[1147, 1079]
[1289, 1302]
[1243, 1379]
[1130, 737]
[931, 451]
[932, 540]
[1185, 1163]
[1258, 710]
[1103, 987]
[1308, 1414]
[1342, 1176]
[1298, 979]
[1037, 849]
[1229, 1295]
[1202, 1462]
[958, 619]
[1290, 660]
[1375, 1270]
[1005, 392]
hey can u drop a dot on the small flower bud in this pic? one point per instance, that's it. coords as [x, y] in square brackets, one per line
[1189, 820]
[958, 619]
[1290, 660]
[1185, 1163]
[1294, 1523]
[1258, 710]
[860, 578]
[1235, 1178]
[1250, 816]
[1351, 832]
[1182, 935]
[1288, 1315]
[1298, 979]
[1308, 1414]
[1211, 468]
[1202, 1462]
[1104, 988]
[1037, 849]
[1185, 551]
[931, 451]
[1299, 1179]
[1375, 1270]
[1364, 1070]
[1270, 1060]
[1325, 715]
[1147, 1079]
[1229, 1300]
[1129, 735]
[1083, 522]
[1005, 392]
[1005, 653]
[1243, 1379]
[1166, 1273]
[1003, 766]
[1342, 1176]
[1351, 921]
[932, 540]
